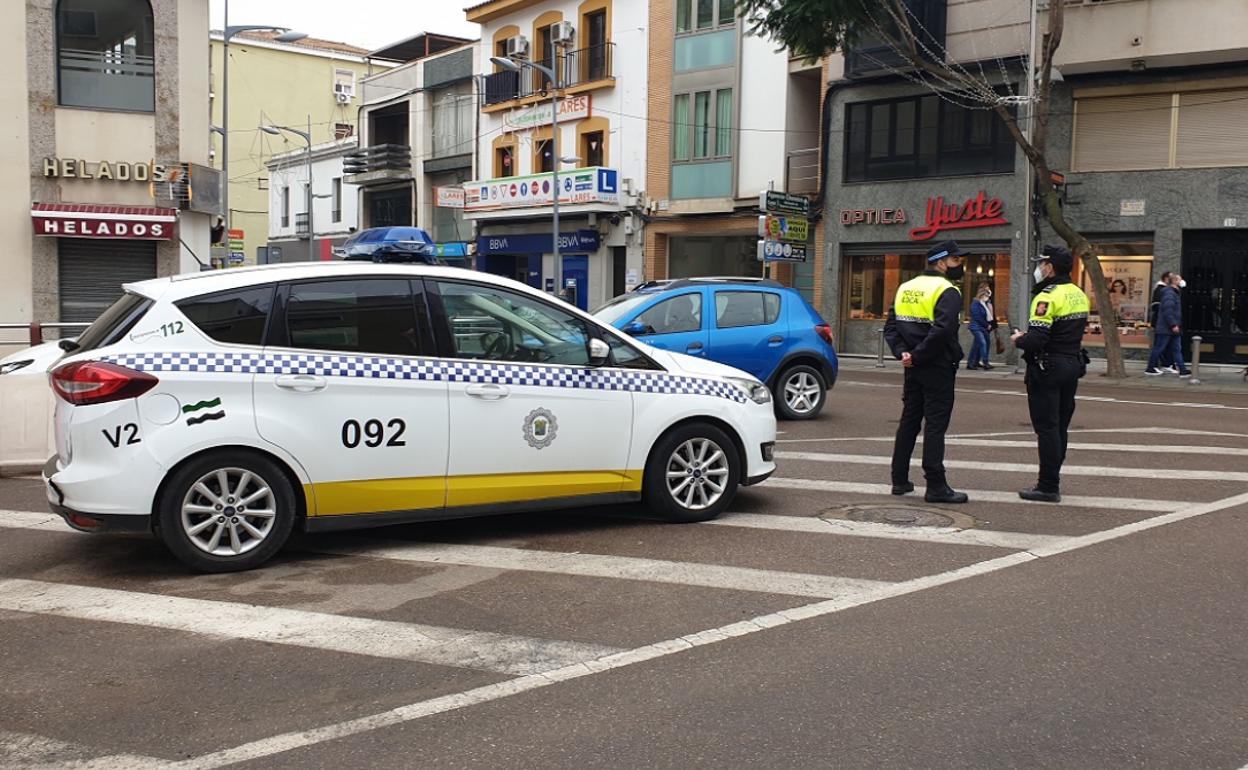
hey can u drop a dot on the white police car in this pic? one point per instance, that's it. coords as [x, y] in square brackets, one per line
[222, 410]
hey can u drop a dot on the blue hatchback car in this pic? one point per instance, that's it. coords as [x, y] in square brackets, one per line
[756, 325]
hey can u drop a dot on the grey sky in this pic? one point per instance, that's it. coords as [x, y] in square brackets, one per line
[366, 23]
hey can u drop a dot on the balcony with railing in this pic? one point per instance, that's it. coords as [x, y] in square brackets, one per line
[378, 163]
[109, 79]
[801, 171]
[581, 67]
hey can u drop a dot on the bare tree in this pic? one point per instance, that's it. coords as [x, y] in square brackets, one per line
[817, 28]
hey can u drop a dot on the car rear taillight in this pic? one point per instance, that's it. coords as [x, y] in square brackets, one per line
[824, 331]
[98, 382]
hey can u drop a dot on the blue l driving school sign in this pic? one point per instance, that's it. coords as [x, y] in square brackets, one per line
[579, 242]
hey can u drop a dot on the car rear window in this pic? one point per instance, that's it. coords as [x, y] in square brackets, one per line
[114, 323]
[237, 317]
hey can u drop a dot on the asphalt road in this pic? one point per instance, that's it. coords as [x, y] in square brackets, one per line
[820, 623]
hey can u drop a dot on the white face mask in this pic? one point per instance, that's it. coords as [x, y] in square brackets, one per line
[1182, 284]
[1039, 274]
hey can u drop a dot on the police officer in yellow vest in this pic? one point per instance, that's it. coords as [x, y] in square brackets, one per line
[922, 331]
[1052, 348]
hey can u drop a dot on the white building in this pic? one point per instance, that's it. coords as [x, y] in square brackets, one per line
[600, 54]
[335, 204]
[418, 137]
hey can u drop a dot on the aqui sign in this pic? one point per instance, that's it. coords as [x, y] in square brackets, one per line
[784, 227]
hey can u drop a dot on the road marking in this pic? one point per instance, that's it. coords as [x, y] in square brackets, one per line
[1019, 541]
[617, 567]
[481, 650]
[1107, 399]
[31, 520]
[288, 741]
[982, 495]
[975, 465]
[1096, 447]
[35, 752]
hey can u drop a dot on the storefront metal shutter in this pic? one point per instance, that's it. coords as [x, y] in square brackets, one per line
[1117, 133]
[93, 271]
[1211, 128]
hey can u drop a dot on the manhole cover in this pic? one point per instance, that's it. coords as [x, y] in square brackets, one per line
[901, 516]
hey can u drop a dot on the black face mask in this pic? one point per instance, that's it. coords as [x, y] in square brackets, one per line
[955, 273]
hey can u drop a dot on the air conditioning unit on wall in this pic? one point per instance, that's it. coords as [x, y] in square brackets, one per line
[342, 97]
[562, 32]
[518, 46]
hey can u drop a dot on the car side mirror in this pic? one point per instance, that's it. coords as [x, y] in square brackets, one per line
[599, 352]
[636, 329]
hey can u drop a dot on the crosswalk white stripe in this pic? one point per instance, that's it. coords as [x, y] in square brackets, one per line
[976, 465]
[36, 752]
[500, 653]
[618, 567]
[983, 495]
[1009, 444]
[31, 520]
[1019, 541]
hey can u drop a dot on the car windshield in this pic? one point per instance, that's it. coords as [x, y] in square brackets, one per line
[621, 307]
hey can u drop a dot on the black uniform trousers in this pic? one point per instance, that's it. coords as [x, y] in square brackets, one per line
[927, 401]
[1051, 401]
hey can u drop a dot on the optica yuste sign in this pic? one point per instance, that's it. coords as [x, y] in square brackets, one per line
[940, 216]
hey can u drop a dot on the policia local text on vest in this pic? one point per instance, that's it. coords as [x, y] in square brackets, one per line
[922, 331]
[1052, 348]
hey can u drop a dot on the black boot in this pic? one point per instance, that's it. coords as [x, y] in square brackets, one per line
[902, 487]
[1037, 495]
[944, 494]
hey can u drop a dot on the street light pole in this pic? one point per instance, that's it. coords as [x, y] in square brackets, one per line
[228, 32]
[307, 137]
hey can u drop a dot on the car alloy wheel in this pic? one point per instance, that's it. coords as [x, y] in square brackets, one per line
[228, 512]
[697, 474]
[802, 392]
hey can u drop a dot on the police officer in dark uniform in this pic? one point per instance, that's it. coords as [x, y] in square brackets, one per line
[922, 331]
[1052, 348]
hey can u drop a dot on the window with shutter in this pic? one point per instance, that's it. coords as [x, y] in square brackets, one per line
[1118, 133]
[1212, 126]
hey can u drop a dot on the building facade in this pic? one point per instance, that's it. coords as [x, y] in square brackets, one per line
[729, 116]
[107, 137]
[417, 144]
[319, 85]
[598, 50]
[908, 168]
[1151, 132]
[294, 236]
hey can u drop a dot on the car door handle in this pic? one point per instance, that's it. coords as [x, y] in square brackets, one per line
[775, 339]
[301, 383]
[488, 391]
[693, 347]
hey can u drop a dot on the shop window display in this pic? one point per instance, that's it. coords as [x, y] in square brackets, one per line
[1128, 268]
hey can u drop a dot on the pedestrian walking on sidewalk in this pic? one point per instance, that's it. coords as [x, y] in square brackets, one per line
[1168, 331]
[1165, 363]
[982, 324]
[922, 331]
[1052, 348]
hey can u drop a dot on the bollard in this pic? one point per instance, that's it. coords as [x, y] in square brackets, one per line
[1195, 379]
[879, 354]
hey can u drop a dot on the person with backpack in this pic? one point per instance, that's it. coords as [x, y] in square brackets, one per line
[1168, 331]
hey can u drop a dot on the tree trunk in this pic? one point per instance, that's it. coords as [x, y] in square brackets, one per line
[1082, 250]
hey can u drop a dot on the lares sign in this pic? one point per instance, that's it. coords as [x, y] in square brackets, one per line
[940, 216]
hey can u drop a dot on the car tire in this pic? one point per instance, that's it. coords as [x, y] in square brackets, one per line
[794, 390]
[707, 458]
[240, 529]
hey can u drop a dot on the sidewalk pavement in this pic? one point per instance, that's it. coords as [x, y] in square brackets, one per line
[1214, 378]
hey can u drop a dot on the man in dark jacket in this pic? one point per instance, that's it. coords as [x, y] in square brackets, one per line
[1168, 331]
[922, 331]
[1154, 305]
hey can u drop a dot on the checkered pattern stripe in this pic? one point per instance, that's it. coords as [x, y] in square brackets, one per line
[430, 369]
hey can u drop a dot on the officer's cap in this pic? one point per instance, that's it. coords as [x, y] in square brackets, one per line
[946, 249]
[1058, 256]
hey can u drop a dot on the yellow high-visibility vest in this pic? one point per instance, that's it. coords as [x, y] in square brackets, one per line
[916, 298]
